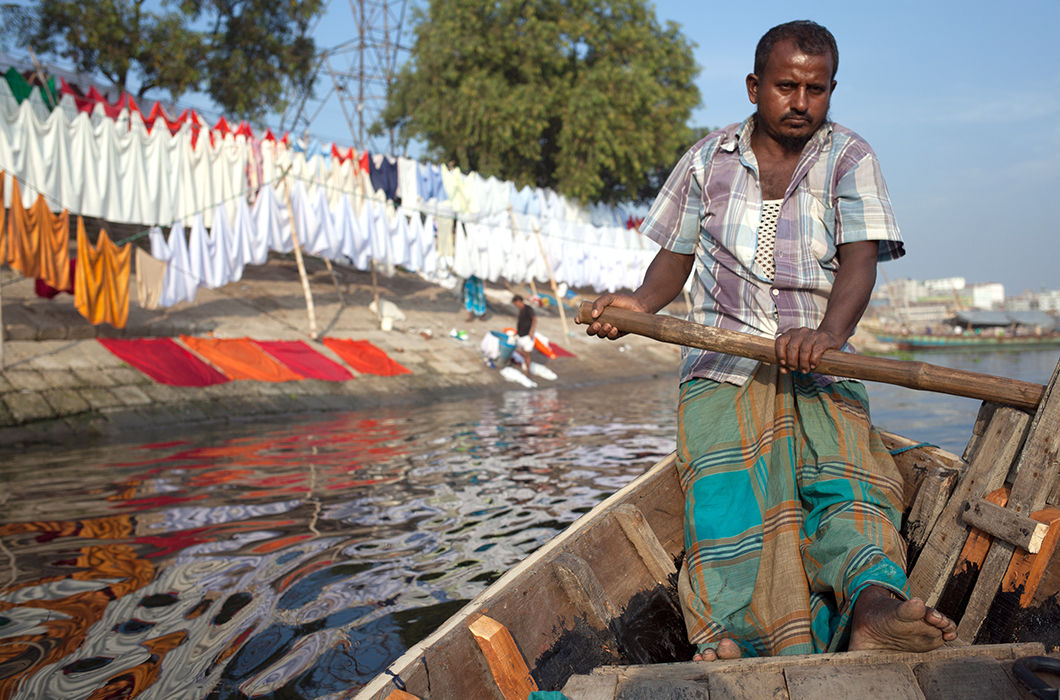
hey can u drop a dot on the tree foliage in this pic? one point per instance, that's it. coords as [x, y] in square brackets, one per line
[590, 98]
[244, 54]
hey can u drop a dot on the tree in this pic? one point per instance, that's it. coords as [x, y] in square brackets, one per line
[585, 97]
[242, 53]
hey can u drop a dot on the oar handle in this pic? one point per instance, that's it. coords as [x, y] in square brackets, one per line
[915, 375]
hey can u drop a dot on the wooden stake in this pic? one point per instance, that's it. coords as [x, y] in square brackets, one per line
[915, 375]
[301, 264]
[552, 281]
[335, 279]
[506, 663]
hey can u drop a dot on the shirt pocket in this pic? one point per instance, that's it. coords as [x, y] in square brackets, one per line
[819, 223]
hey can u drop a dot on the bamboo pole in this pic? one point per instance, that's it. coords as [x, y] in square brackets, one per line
[914, 375]
[301, 264]
[552, 281]
[1, 314]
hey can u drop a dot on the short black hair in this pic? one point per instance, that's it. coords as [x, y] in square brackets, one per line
[810, 37]
[516, 298]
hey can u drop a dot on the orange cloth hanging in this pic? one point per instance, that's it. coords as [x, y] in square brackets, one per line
[240, 358]
[37, 242]
[101, 283]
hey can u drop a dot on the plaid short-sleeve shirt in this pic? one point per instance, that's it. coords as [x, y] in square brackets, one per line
[711, 206]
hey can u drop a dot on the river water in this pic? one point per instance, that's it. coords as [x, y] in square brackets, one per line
[298, 560]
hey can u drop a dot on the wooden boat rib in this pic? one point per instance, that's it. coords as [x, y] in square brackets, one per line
[599, 594]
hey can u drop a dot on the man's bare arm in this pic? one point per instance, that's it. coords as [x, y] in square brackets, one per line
[662, 282]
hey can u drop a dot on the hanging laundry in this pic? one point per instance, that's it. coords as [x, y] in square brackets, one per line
[383, 173]
[407, 182]
[37, 241]
[101, 284]
[241, 358]
[365, 357]
[164, 361]
[251, 242]
[429, 182]
[150, 279]
[304, 360]
[180, 284]
[272, 220]
[207, 256]
[350, 229]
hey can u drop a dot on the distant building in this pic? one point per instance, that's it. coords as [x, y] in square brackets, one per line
[990, 295]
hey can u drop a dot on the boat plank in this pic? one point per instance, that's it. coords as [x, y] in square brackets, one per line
[737, 684]
[815, 682]
[691, 671]
[929, 503]
[986, 472]
[646, 689]
[957, 679]
[591, 687]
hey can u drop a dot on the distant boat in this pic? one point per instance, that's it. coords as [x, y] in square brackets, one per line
[970, 341]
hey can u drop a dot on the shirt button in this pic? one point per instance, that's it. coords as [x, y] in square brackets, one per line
[776, 292]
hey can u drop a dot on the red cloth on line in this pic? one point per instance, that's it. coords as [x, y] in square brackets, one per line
[304, 360]
[240, 358]
[164, 361]
[365, 357]
[560, 352]
[45, 290]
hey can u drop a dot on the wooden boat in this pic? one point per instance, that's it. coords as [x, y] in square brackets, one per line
[602, 594]
[594, 613]
[971, 342]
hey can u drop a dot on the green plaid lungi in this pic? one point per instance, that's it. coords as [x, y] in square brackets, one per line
[792, 508]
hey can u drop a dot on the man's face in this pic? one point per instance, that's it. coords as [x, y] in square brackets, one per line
[793, 94]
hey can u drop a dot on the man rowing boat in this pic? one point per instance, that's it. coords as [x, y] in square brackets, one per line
[792, 503]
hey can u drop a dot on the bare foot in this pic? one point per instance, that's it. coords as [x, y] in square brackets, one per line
[882, 621]
[727, 649]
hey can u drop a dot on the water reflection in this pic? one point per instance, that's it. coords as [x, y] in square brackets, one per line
[298, 561]
[291, 561]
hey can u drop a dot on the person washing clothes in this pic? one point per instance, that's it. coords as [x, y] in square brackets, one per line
[524, 331]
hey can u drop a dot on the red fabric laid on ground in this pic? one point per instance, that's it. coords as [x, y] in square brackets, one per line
[365, 357]
[304, 360]
[241, 358]
[560, 352]
[164, 361]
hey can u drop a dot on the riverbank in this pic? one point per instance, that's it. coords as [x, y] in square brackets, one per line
[59, 384]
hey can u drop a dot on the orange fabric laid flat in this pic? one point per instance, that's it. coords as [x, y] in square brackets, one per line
[101, 283]
[241, 358]
[37, 241]
[365, 357]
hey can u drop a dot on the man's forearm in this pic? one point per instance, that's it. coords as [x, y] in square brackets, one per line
[664, 279]
[851, 290]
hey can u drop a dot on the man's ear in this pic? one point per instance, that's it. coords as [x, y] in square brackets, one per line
[752, 88]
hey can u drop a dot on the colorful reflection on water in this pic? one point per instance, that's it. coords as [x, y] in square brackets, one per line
[293, 561]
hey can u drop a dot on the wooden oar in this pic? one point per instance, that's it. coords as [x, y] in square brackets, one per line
[915, 375]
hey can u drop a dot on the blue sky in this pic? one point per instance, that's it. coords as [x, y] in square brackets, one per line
[960, 101]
